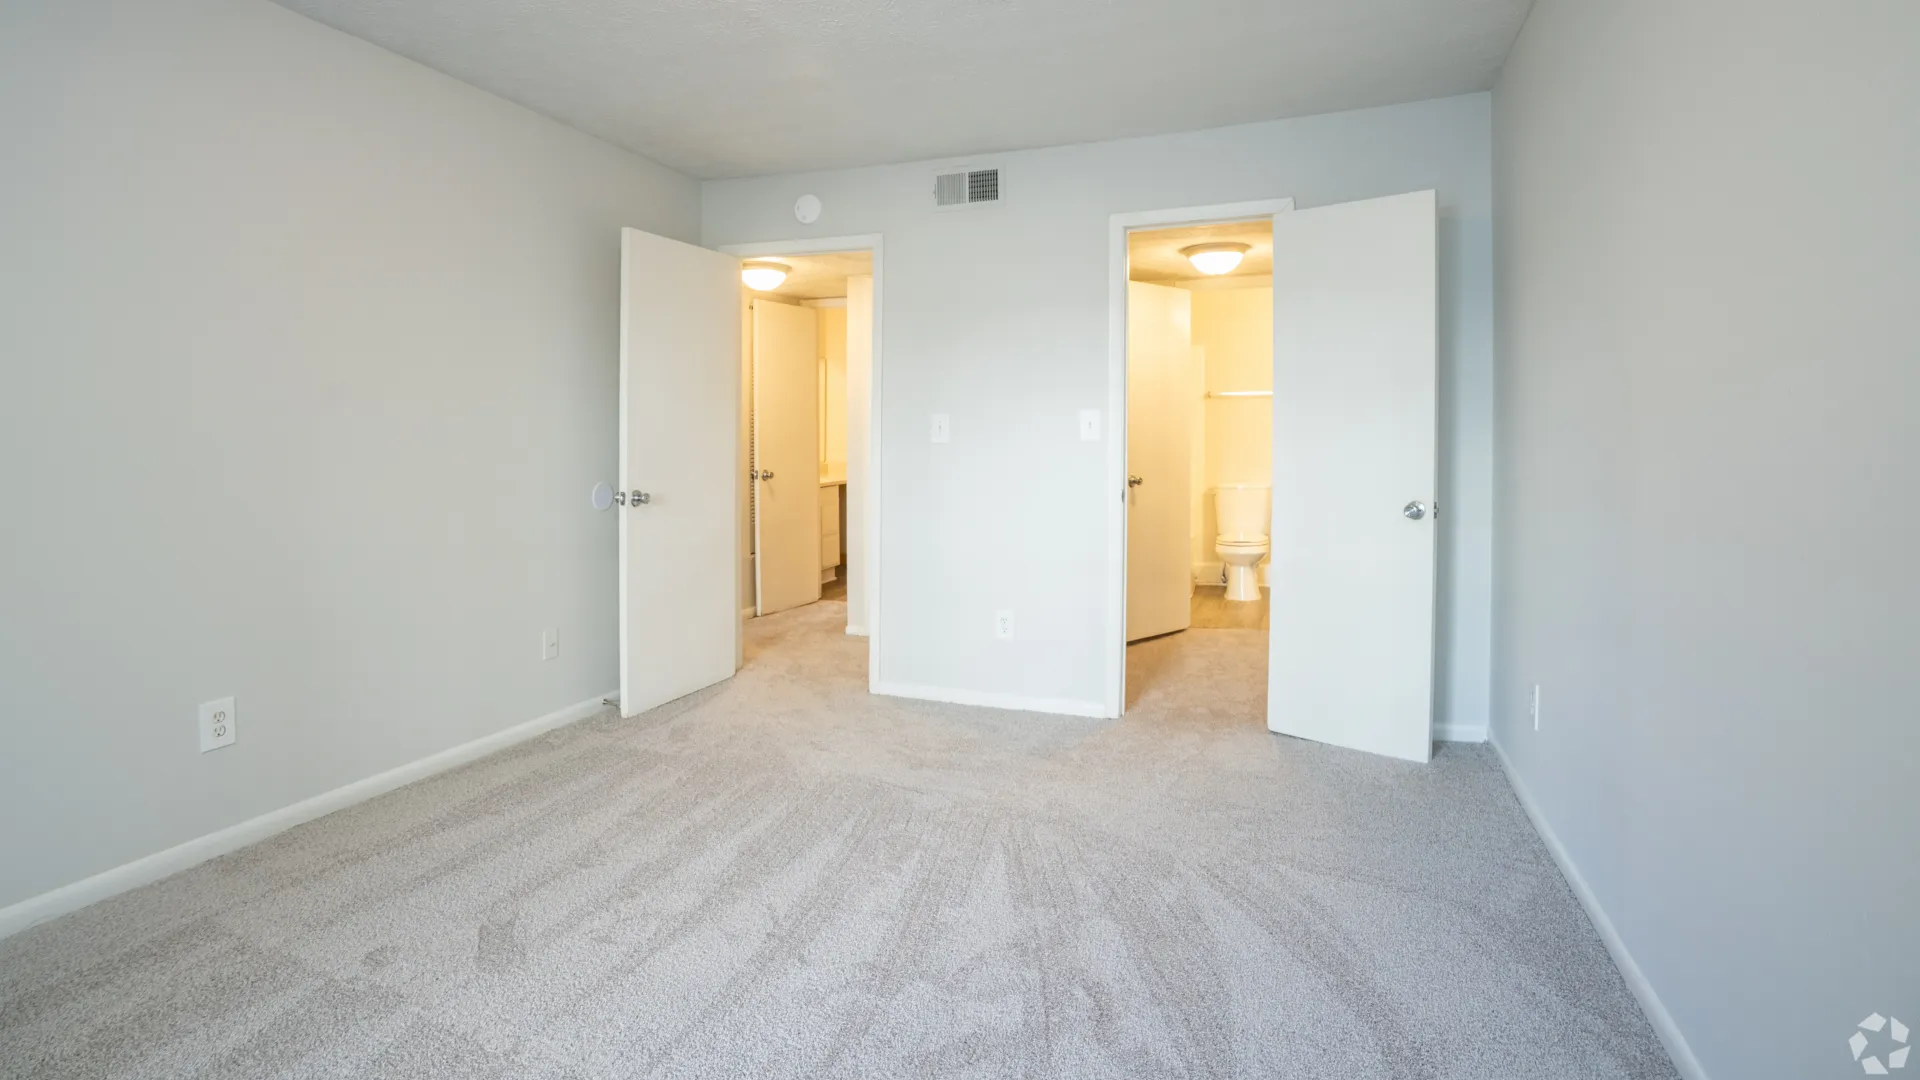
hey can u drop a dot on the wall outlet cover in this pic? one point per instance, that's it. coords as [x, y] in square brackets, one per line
[1003, 624]
[942, 431]
[216, 724]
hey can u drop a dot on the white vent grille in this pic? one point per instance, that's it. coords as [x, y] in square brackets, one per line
[969, 187]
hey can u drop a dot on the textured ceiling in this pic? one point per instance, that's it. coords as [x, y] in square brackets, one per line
[821, 277]
[1155, 255]
[749, 87]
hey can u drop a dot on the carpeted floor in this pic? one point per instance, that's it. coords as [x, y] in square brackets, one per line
[785, 877]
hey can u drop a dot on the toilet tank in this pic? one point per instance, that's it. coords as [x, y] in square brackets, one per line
[1243, 511]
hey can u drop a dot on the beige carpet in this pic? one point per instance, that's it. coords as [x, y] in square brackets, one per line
[785, 877]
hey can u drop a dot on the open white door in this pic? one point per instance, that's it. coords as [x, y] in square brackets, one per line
[1354, 475]
[1159, 460]
[786, 456]
[679, 468]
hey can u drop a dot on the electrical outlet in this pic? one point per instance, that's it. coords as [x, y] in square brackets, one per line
[941, 429]
[1090, 425]
[1536, 706]
[216, 724]
[1003, 624]
[550, 645]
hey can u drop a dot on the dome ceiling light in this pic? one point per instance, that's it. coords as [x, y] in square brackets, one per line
[763, 275]
[1215, 259]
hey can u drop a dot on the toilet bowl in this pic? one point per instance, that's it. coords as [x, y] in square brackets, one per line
[1244, 513]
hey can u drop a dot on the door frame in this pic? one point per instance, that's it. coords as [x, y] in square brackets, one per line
[870, 498]
[1118, 226]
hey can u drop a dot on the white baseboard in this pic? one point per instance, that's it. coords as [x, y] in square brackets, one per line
[1057, 706]
[747, 612]
[145, 871]
[1643, 991]
[856, 631]
[1460, 733]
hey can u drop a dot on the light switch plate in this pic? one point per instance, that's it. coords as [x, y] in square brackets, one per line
[940, 427]
[1090, 425]
[216, 724]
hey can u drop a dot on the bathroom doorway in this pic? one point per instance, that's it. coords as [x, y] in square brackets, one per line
[808, 348]
[1351, 394]
[1199, 445]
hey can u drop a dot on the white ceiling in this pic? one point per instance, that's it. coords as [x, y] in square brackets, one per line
[718, 88]
[821, 277]
[1154, 255]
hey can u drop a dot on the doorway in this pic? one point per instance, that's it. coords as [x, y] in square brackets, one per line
[685, 498]
[1351, 396]
[809, 334]
[1199, 427]
[1199, 449]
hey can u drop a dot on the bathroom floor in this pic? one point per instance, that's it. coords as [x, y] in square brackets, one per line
[1213, 611]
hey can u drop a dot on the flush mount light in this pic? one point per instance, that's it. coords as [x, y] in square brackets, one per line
[761, 275]
[1215, 258]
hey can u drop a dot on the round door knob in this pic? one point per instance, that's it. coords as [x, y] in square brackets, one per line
[766, 474]
[1415, 510]
[640, 498]
[1134, 481]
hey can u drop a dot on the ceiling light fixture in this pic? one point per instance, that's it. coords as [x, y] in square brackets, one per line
[762, 275]
[1215, 258]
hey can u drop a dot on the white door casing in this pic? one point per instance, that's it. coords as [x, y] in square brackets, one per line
[679, 401]
[1354, 444]
[1160, 357]
[786, 457]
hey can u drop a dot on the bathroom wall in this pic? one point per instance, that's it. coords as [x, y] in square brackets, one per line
[833, 387]
[860, 328]
[1235, 327]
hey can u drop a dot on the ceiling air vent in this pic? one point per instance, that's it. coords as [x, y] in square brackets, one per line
[969, 187]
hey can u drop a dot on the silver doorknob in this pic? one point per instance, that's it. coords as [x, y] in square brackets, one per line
[639, 498]
[1134, 481]
[1415, 510]
[761, 474]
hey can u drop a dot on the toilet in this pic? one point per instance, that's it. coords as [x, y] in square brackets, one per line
[1244, 512]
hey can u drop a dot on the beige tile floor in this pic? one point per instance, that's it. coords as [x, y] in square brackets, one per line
[1213, 611]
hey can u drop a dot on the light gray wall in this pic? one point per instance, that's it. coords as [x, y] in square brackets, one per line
[998, 317]
[309, 361]
[1709, 422]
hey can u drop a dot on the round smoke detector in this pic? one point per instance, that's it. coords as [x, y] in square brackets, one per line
[807, 209]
